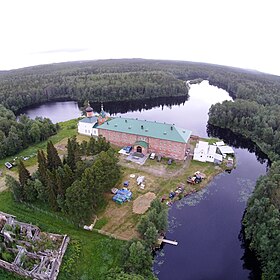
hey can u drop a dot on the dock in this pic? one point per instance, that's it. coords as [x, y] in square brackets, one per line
[160, 240]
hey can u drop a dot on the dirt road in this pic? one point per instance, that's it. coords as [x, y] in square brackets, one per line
[159, 170]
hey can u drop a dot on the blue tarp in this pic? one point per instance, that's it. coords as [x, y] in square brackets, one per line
[122, 196]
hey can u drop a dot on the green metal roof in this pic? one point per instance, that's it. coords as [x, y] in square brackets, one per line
[147, 128]
[89, 120]
[141, 143]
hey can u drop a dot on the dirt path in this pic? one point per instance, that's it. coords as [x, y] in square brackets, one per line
[143, 202]
[14, 174]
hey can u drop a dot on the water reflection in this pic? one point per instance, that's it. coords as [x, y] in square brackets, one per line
[139, 105]
[250, 262]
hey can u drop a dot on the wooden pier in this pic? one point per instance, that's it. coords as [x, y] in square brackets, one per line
[160, 240]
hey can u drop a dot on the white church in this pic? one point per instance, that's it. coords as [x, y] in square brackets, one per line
[88, 125]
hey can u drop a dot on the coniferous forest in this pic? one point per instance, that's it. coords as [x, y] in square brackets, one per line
[72, 186]
[254, 113]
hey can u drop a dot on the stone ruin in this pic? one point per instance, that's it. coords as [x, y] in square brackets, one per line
[27, 251]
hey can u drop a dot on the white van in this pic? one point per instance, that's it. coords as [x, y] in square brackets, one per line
[152, 156]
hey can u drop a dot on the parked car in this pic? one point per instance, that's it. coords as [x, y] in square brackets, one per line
[152, 156]
[128, 149]
[170, 161]
[159, 158]
[126, 184]
[8, 165]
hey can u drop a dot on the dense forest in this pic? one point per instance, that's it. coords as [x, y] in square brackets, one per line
[17, 92]
[16, 135]
[127, 79]
[72, 185]
[262, 222]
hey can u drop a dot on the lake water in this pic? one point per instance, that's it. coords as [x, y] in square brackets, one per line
[207, 224]
[56, 111]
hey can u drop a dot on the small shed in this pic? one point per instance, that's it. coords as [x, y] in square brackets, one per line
[211, 153]
[225, 150]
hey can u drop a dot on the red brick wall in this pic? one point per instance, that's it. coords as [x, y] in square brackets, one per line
[165, 148]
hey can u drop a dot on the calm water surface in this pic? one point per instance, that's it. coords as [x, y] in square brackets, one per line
[55, 111]
[206, 224]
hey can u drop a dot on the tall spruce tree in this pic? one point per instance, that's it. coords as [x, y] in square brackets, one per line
[78, 203]
[23, 173]
[53, 158]
[52, 190]
[73, 153]
[42, 167]
[106, 170]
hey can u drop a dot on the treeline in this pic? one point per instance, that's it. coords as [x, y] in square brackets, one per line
[18, 135]
[72, 185]
[131, 79]
[262, 222]
[255, 121]
[21, 91]
[136, 255]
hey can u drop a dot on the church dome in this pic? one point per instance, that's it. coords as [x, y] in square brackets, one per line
[89, 109]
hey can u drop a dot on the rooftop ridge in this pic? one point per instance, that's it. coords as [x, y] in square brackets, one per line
[153, 122]
[159, 130]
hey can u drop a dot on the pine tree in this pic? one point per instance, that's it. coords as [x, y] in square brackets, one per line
[23, 173]
[73, 153]
[53, 158]
[30, 192]
[106, 170]
[69, 177]
[52, 190]
[101, 145]
[42, 167]
[78, 203]
[91, 146]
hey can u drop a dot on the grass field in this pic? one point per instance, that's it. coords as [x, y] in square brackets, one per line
[89, 254]
[67, 129]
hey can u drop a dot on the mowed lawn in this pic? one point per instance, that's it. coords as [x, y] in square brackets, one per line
[89, 254]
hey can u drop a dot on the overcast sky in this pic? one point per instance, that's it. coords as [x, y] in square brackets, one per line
[228, 32]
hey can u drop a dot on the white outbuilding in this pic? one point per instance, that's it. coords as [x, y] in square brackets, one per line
[207, 153]
[201, 151]
[88, 125]
[226, 150]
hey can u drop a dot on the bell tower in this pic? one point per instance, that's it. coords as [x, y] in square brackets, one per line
[103, 117]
